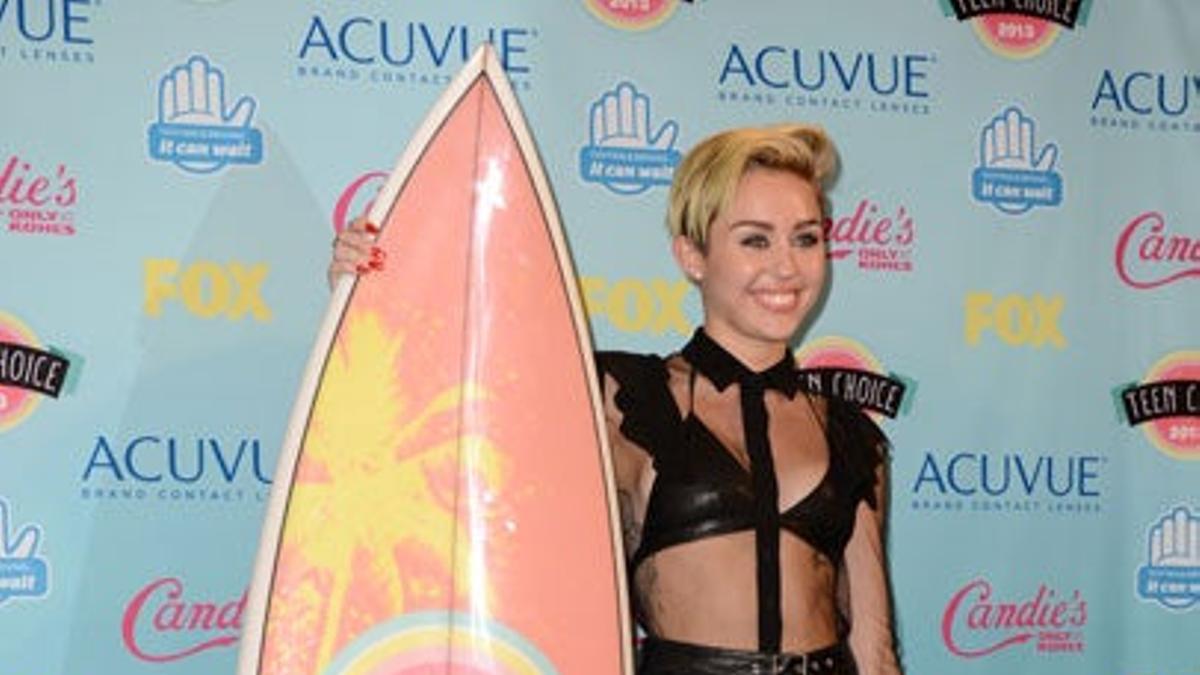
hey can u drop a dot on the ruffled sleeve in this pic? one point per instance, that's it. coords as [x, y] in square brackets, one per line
[636, 432]
[865, 450]
[648, 415]
[862, 445]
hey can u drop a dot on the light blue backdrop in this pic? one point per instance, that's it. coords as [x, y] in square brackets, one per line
[1016, 238]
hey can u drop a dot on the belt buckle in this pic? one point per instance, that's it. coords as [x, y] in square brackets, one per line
[789, 664]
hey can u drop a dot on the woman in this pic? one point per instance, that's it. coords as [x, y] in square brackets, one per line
[753, 512]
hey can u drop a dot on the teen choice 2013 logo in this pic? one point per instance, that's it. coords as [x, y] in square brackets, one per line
[427, 642]
[632, 14]
[1018, 29]
[1166, 404]
[843, 368]
[28, 372]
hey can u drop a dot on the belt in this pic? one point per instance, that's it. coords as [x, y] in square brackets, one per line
[668, 657]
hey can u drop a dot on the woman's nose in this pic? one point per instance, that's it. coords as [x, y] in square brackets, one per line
[785, 262]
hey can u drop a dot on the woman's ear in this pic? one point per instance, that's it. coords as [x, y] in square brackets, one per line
[689, 257]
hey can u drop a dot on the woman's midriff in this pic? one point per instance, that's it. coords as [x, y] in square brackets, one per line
[704, 592]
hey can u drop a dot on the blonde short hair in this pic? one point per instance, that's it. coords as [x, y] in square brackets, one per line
[708, 176]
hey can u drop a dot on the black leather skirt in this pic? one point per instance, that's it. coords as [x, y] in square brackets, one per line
[667, 657]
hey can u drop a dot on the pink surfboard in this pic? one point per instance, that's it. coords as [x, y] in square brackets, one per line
[444, 500]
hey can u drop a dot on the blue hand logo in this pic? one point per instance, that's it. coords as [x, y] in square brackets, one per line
[1172, 576]
[623, 153]
[21, 572]
[621, 119]
[195, 130]
[1013, 174]
[194, 93]
[1008, 144]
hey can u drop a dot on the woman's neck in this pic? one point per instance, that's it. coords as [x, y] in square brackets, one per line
[757, 355]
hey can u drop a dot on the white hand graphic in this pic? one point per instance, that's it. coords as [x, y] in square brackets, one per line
[1008, 144]
[1175, 540]
[194, 93]
[19, 545]
[621, 119]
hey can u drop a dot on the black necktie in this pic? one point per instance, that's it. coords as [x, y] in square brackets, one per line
[722, 369]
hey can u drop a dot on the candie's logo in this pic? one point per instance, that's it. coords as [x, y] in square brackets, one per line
[1166, 404]
[195, 130]
[1018, 29]
[843, 368]
[1171, 575]
[632, 14]
[976, 624]
[1148, 254]
[28, 372]
[162, 624]
[23, 574]
[356, 198]
[37, 200]
[879, 239]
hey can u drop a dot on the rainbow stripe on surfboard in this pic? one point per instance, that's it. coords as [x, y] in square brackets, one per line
[444, 498]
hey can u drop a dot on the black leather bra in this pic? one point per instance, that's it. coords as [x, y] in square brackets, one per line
[701, 490]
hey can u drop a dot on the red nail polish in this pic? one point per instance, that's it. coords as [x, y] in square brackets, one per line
[376, 265]
[371, 227]
[362, 268]
[378, 253]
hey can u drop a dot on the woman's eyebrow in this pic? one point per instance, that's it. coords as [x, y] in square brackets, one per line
[750, 222]
[765, 225]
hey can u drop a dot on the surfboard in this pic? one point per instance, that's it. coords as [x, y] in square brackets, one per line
[444, 501]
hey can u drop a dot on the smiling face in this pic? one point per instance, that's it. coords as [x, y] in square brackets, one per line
[763, 265]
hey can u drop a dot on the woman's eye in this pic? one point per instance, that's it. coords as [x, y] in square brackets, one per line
[807, 239]
[756, 241]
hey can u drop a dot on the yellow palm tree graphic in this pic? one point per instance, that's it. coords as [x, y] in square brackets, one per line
[370, 484]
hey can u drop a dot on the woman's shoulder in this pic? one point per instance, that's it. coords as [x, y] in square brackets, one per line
[852, 422]
[859, 442]
[629, 369]
[638, 400]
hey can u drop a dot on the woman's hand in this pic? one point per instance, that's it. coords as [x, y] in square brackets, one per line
[354, 251]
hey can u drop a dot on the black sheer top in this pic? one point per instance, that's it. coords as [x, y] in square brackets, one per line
[701, 490]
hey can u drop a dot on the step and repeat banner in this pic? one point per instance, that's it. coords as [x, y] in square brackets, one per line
[1014, 243]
